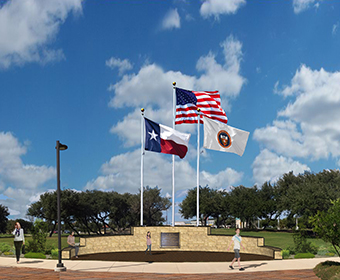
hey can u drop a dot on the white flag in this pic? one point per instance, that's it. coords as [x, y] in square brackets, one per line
[221, 137]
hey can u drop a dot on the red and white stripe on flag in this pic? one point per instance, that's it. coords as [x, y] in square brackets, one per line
[209, 103]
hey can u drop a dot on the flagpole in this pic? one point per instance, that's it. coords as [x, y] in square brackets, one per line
[198, 167]
[142, 167]
[173, 156]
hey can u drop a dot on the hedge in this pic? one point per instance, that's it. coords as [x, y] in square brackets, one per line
[35, 255]
[304, 256]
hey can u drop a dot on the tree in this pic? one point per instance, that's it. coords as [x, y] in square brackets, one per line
[39, 234]
[121, 216]
[306, 194]
[25, 225]
[3, 218]
[153, 205]
[327, 225]
[46, 208]
[211, 202]
[244, 204]
[267, 199]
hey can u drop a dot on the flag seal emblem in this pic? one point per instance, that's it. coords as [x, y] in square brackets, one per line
[224, 139]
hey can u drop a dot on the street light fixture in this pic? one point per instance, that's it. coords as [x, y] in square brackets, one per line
[59, 147]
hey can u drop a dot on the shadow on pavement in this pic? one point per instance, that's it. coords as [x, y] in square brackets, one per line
[36, 261]
[254, 265]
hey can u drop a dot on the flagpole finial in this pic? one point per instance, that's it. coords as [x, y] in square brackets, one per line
[142, 110]
[198, 110]
[174, 84]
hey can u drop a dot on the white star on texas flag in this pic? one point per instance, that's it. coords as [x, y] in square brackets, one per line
[153, 135]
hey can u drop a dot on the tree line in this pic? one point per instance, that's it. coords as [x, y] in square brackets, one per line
[95, 211]
[300, 196]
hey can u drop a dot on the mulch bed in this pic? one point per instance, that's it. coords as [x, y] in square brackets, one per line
[171, 256]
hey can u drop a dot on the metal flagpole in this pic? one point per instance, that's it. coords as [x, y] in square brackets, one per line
[142, 166]
[198, 166]
[173, 156]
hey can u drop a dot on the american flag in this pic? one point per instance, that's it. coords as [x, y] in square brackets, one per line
[188, 101]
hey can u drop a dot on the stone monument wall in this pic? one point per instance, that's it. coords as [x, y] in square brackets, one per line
[179, 238]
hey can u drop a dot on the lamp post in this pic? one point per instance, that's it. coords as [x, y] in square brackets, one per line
[59, 147]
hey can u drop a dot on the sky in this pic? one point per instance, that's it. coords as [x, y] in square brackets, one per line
[80, 71]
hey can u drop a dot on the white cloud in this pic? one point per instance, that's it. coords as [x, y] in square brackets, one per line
[19, 181]
[268, 166]
[220, 7]
[182, 193]
[13, 212]
[122, 65]
[189, 17]
[308, 126]
[224, 179]
[151, 88]
[335, 28]
[171, 20]
[121, 177]
[282, 137]
[302, 5]
[28, 26]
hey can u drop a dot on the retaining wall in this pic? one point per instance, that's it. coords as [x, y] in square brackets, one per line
[190, 239]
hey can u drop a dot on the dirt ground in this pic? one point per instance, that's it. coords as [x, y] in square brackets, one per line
[171, 256]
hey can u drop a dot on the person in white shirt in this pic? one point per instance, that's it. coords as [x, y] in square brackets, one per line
[237, 239]
[19, 240]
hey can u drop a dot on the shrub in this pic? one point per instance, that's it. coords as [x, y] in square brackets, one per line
[325, 224]
[329, 254]
[304, 256]
[54, 253]
[291, 250]
[8, 253]
[39, 234]
[331, 250]
[285, 254]
[302, 245]
[34, 255]
[49, 249]
[327, 270]
[313, 249]
[4, 247]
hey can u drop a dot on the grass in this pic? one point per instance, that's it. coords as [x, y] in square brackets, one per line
[52, 241]
[275, 239]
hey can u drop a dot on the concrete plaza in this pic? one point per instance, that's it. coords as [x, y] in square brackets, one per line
[302, 268]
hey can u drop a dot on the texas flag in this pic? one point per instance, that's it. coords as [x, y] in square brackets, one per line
[163, 139]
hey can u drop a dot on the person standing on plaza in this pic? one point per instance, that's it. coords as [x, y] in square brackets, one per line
[72, 244]
[19, 240]
[148, 242]
[237, 239]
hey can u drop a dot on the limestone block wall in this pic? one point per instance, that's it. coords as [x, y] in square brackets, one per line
[190, 239]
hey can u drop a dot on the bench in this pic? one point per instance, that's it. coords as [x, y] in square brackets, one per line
[68, 252]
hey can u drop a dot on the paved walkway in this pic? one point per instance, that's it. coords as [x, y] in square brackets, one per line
[47, 274]
[44, 269]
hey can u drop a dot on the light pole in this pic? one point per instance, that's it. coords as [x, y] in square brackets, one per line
[59, 147]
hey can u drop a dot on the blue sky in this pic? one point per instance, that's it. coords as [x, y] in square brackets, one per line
[79, 72]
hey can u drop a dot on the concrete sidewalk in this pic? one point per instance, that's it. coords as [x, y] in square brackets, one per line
[171, 268]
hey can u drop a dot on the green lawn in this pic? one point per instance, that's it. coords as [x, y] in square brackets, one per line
[275, 239]
[53, 241]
